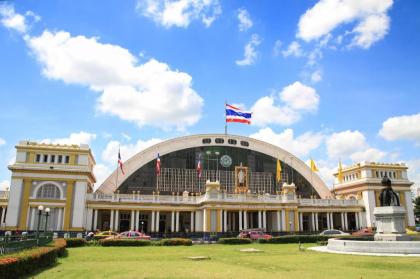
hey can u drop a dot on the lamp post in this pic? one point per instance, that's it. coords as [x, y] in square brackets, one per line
[40, 209]
[47, 213]
[142, 223]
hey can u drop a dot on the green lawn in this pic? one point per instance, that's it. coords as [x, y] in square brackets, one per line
[277, 261]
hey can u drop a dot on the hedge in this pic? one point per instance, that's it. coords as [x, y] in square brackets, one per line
[234, 240]
[75, 242]
[99, 237]
[295, 239]
[21, 264]
[124, 242]
[176, 242]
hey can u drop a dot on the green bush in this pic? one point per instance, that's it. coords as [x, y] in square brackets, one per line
[21, 264]
[234, 240]
[295, 239]
[124, 242]
[75, 242]
[176, 242]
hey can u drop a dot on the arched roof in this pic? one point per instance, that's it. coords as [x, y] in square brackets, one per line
[172, 145]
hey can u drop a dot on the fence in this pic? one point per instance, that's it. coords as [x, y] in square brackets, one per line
[16, 243]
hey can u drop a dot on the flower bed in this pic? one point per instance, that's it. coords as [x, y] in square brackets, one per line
[25, 262]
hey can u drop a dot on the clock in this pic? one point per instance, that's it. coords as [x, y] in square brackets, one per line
[226, 161]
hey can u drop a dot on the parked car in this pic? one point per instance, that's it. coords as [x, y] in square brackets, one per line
[363, 232]
[132, 235]
[333, 233]
[254, 234]
[106, 233]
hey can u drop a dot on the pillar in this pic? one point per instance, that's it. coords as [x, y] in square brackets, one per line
[111, 220]
[157, 219]
[283, 220]
[245, 214]
[138, 220]
[346, 225]
[173, 221]
[259, 219]
[3, 209]
[300, 221]
[224, 221]
[132, 220]
[33, 213]
[332, 220]
[152, 225]
[356, 216]
[219, 223]
[313, 221]
[205, 217]
[60, 219]
[177, 222]
[95, 220]
[278, 221]
[240, 219]
[117, 220]
[316, 221]
[343, 224]
[328, 221]
[192, 227]
[264, 219]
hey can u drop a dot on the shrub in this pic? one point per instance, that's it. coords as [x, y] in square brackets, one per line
[176, 242]
[75, 242]
[124, 242]
[23, 263]
[295, 239]
[234, 240]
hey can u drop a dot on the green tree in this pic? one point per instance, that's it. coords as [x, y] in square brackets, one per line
[417, 208]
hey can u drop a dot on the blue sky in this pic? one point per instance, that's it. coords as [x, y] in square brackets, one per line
[324, 79]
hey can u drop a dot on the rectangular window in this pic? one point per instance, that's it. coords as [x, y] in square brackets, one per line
[67, 159]
[45, 158]
[60, 159]
[52, 159]
[38, 158]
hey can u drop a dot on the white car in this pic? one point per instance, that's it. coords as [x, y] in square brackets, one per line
[333, 232]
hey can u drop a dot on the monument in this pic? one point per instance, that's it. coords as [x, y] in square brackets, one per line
[390, 216]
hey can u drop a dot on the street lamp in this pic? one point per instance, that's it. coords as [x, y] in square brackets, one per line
[47, 213]
[40, 209]
[142, 223]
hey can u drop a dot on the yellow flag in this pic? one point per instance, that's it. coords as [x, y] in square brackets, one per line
[313, 166]
[340, 172]
[278, 171]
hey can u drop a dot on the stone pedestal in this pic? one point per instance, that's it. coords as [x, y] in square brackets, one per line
[390, 223]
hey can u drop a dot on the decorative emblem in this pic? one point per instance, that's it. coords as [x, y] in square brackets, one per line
[226, 161]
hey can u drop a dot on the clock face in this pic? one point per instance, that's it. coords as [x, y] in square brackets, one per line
[226, 161]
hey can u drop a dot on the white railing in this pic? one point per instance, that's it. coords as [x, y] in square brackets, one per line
[328, 202]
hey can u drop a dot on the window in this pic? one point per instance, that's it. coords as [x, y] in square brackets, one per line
[67, 159]
[45, 158]
[245, 143]
[231, 141]
[48, 191]
[206, 141]
[52, 159]
[60, 159]
[219, 140]
[38, 158]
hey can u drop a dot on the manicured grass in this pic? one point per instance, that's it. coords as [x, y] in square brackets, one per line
[277, 261]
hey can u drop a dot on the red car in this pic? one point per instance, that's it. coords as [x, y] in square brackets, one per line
[363, 232]
[131, 235]
[254, 234]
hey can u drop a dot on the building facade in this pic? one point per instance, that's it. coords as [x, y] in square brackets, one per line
[237, 188]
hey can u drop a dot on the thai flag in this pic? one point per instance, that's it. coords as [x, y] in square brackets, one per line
[199, 166]
[120, 162]
[234, 114]
[158, 165]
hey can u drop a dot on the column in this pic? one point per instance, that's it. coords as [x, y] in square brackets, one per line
[332, 220]
[316, 222]
[198, 216]
[157, 219]
[328, 221]
[346, 225]
[95, 219]
[313, 222]
[283, 220]
[152, 225]
[343, 224]
[132, 220]
[219, 220]
[117, 220]
[138, 220]
[240, 219]
[259, 219]
[205, 229]
[192, 227]
[245, 214]
[225, 221]
[33, 213]
[177, 222]
[173, 221]
[264, 219]
[356, 216]
[300, 221]
[60, 219]
[278, 221]
[3, 209]
[111, 220]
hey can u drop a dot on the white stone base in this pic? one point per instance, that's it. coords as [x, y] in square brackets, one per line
[379, 247]
[390, 223]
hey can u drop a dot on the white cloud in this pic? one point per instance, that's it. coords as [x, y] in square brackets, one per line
[179, 13]
[414, 171]
[245, 21]
[299, 146]
[369, 154]
[316, 76]
[296, 99]
[293, 49]
[146, 94]
[101, 172]
[5, 184]
[327, 15]
[277, 48]
[74, 138]
[250, 53]
[2, 141]
[110, 153]
[406, 127]
[15, 21]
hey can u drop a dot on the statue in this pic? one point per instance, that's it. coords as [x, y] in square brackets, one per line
[241, 178]
[388, 197]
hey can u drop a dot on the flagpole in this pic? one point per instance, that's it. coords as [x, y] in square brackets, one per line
[116, 178]
[225, 118]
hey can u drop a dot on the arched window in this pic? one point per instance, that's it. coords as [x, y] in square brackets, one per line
[48, 191]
